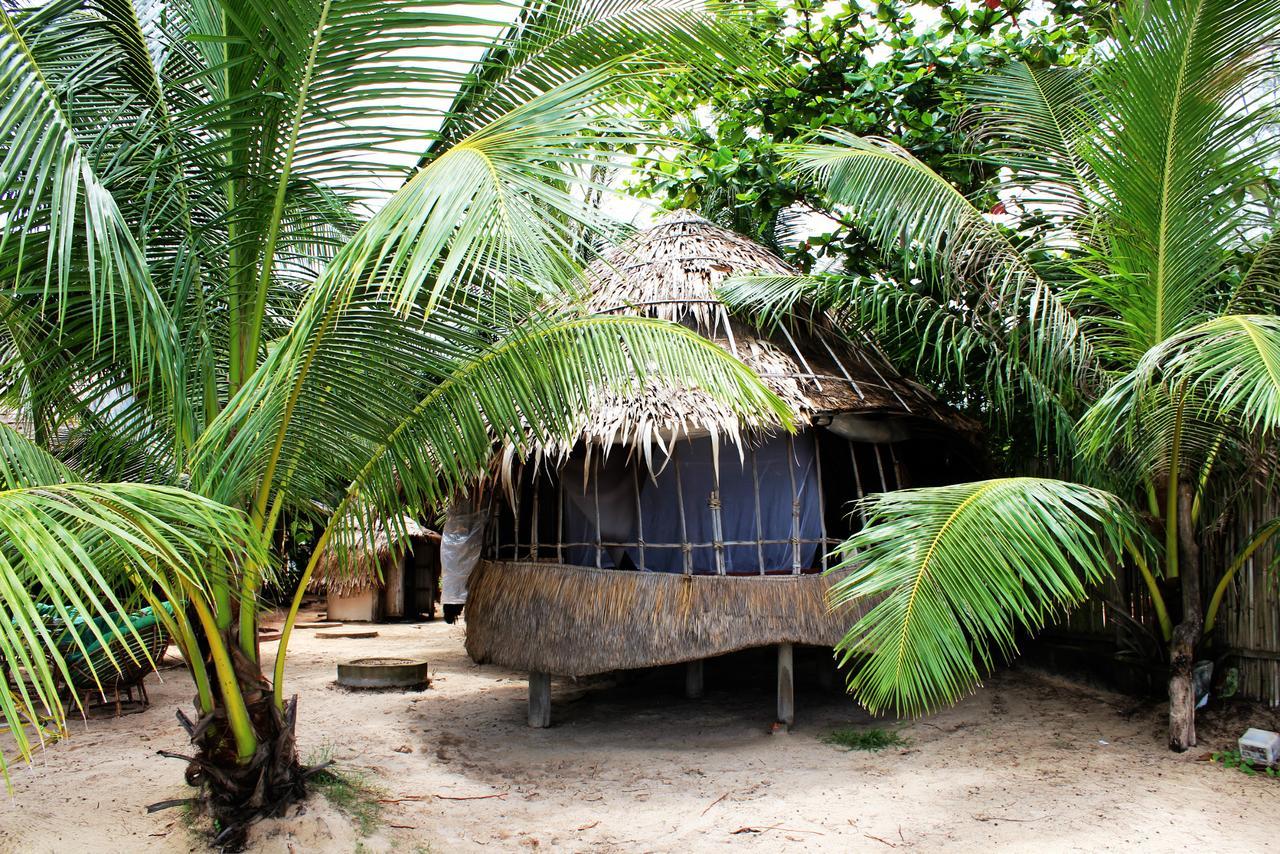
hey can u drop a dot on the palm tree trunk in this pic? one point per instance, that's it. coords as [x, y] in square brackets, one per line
[1186, 635]
[236, 792]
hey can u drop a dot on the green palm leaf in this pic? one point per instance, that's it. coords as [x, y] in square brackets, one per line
[925, 338]
[1215, 381]
[554, 40]
[1033, 122]
[907, 207]
[531, 388]
[461, 254]
[67, 246]
[1180, 127]
[65, 547]
[958, 570]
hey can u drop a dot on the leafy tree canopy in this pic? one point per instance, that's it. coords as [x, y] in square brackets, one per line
[885, 69]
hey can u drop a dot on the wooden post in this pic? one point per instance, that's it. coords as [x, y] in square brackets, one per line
[795, 508]
[786, 686]
[693, 679]
[539, 700]
[755, 489]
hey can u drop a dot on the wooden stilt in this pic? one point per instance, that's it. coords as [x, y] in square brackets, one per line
[693, 679]
[786, 686]
[539, 700]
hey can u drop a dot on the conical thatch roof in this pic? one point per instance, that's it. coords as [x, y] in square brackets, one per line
[365, 559]
[672, 271]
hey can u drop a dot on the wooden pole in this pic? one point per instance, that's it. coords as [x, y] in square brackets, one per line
[822, 499]
[884, 483]
[684, 529]
[560, 515]
[786, 686]
[539, 700]
[595, 493]
[755, 489]
[795, 507]
[693, 679]
[635, 486]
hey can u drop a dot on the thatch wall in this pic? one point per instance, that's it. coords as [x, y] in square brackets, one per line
[576, 621]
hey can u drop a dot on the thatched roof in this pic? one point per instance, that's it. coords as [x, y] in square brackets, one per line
[366, 559]
[672, 271]
[575, 621]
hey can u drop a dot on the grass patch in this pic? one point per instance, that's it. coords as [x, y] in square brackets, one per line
[864, 739]
[352, 794]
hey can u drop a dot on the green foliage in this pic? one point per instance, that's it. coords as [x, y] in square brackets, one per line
[1113, 322]
[1232, 759]
[66, 546]
[870, 69]
[354, 796]
[957, 571]
[864, 739]
[230, 298]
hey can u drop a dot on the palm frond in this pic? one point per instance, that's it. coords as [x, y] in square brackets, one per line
[1214, 382]
[961, 570]
[66, 246]
[24, 463]
[908, 208]
[1033, 122]
[982, 367]
[554, 40]
[530, 389]
[457, 257]
[1259, 289]
[65, 547]
[1181, 127]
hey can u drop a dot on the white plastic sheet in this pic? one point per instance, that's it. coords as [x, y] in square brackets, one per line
[460, 544]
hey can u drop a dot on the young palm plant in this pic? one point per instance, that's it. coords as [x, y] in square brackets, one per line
[210, 332]
[1113, 319]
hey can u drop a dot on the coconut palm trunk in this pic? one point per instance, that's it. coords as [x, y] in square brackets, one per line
[1113, 321]
[222, 272]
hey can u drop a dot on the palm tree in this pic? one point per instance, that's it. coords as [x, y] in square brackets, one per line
[211, 330]
[1108, 307]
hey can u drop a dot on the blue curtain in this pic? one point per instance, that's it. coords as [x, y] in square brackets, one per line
[691, 470]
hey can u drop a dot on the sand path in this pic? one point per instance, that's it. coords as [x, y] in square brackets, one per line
[1028, 763]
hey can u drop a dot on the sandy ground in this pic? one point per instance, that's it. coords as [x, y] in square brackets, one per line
[1028, 763]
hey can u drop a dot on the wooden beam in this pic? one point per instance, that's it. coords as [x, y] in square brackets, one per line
[786, 686]
[539, 700]
[693, 679]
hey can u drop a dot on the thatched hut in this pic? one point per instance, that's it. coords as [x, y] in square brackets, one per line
[649, 541]
[377, 581]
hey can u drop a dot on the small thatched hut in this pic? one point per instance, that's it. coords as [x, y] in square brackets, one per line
[379, 582]
[649, 542]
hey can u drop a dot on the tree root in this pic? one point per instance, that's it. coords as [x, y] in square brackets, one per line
[233, 794]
